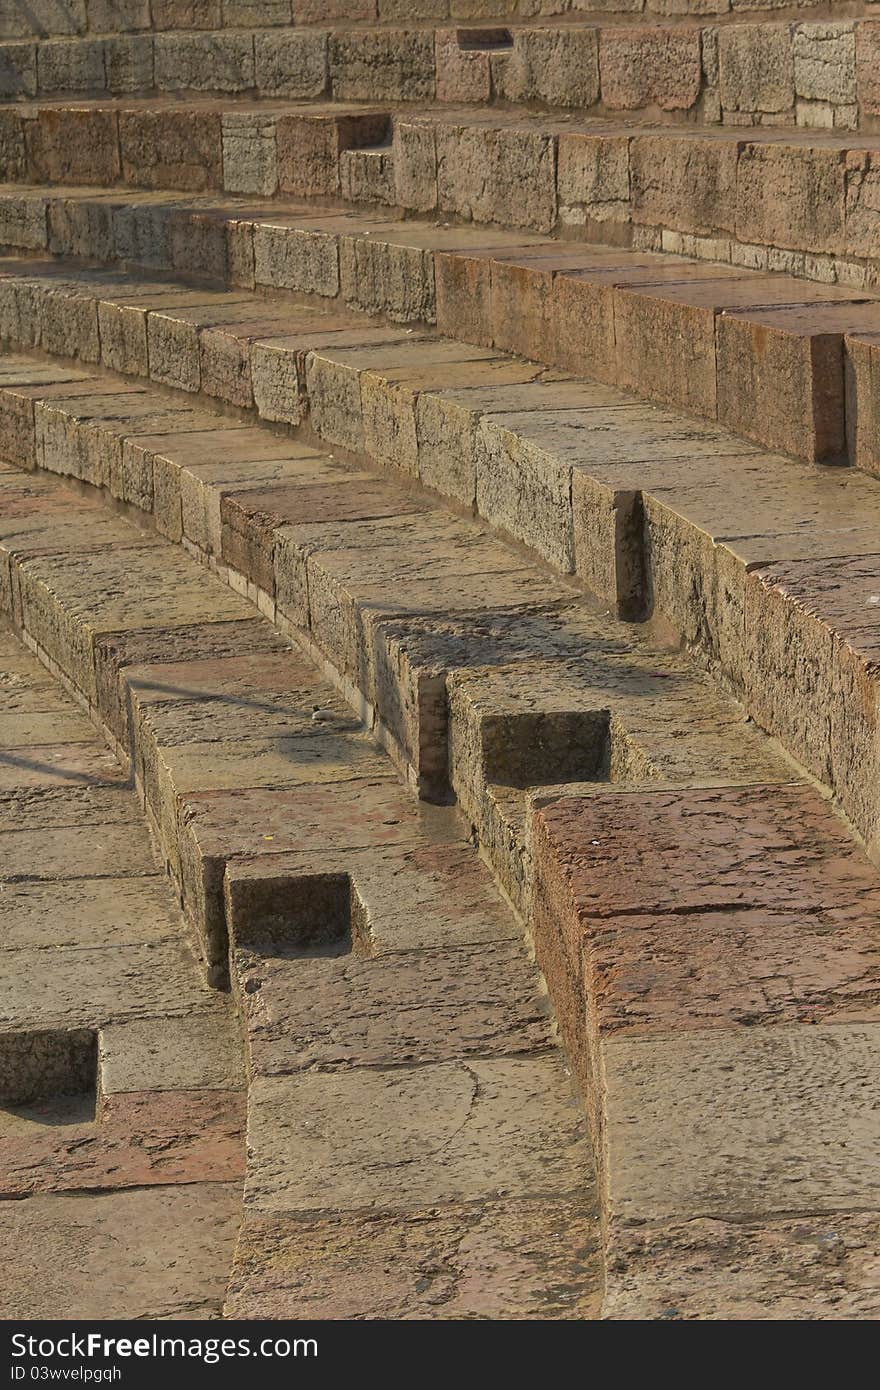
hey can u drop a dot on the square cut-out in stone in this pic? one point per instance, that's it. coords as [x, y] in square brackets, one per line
[310, 914]
[48, 1064]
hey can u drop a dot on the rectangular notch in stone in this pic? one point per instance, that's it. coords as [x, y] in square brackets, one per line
[484, 40]
[539, 749]
[48, 1064]
[310, 914]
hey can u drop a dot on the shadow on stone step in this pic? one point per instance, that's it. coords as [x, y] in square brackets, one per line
[48, 1077]
[309, 915]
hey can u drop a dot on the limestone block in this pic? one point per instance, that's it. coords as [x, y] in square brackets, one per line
[74, 146]
[415, 165]
[685, 183]
[129, 63]
[71, 65]
[291, 64]
[593, 183]
[382, 65]
[18, 70]
[288, 258]
[222, 62]
[647, 67]
[791, 196]
[117, 16]
[559, 68]
[756, 68]
[172, 149]
[186, 14]
[250, 157]
[825, 63]
[499, 175]
[257, 14]
[463, 74]
[868, 68]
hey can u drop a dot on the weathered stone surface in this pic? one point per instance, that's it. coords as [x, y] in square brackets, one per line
[786, 365]
[791, 196]
[489, 1260]
[316, 1015]
[741, 1092]
[157, 1252]
[650, 67]
[171, 149]
[393, 65]
[292, 65]
[88, 912]
[560, 68]
[683, 182]
[756, 68]
[218, 62]
[139, 1139]
[199, 1052]
[801, 1268]
[413, 1138]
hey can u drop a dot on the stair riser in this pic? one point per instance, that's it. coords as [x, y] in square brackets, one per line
[742, 621]
[780, 203]
[758, 73]
[815, 390]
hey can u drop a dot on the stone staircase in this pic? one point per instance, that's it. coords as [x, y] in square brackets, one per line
[459, 515]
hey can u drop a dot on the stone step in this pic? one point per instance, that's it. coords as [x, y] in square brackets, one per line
[121, 1078]
[384, 984]
[786, 364]
[59, 18]
[753, 558]
[755, 70]
[777, 199]
[297, 862]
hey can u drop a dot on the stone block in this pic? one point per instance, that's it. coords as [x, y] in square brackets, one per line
[415, 165]
[825, 63]
[781, 376]
[222, 62]
[686, 183]
[382, 65]
[497, 175]
[756, 68]
[294, 259]
[250, 157]
[868, 68]
[18, 70]
[71, 65]
[650, 67]
[129, 64]
[172, 149]
[463, 74]
[291, 64]
[79, 146]
[557, 67]
[593, 184]
[791, 196]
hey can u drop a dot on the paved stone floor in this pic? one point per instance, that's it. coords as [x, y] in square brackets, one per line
[120, 1198]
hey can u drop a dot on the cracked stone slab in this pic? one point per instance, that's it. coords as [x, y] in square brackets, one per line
[754, 1122]
[158, 1252]
[409, 1138]
[499, 1259]
[401, 1008]
[801, 1268]
[137, 1139]
[197, 1052]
